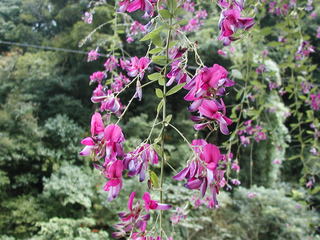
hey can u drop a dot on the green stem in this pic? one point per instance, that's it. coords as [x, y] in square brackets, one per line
[164, 126]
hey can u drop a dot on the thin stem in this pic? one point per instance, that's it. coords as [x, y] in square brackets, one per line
[164, 125]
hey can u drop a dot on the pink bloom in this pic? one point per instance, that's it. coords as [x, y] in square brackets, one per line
[137, 66]
[92, 55]
[251, 195]
[111, 63]
[222, 53]
[318, 32]
[150, 204]
[130, 39]
[309, 184]
[137, 161]
[178, 216]
[244, 140]
[277, 161]
[315, 101]
[133, 5]
[235, 182]
[119, 82]
[235, 167]
[304, 50]
[230, 21]
[87, 17]
[202, 172]
[97, 126]
[97, 77]
[188, 5]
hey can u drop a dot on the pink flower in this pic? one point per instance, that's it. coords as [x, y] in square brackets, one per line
[244, 140]
[304, 50]
[133, 5]
[97, 77]
[178, 216]
[111, 64]
[235, 182]
[92, 55]
[202, 172]
[150, 204]
[261, 69]
[251, 195]
[137, 161]
[235, 166]
[188, 5]
[137, 66]
[87, 17]
[277, 161]
[315, 101]
[222, 53]
[230, 21]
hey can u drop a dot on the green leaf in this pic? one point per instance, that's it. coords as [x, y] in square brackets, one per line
[159, 93]
[154, 179]
[175, 89]
[152, 34]
[161, 81]
[156, 40]
[168, 118]
[172, 5]
[160, 60]
[165, 13]
[155, 50]
[160, 105]
[154, 76]
[236, 74]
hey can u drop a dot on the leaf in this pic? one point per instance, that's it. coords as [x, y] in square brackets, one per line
[155, 50]
[172, 5]
[175, 89]
[159, 93]
[154, 179]
[168, 118]
[154, 76]
[165, 13]
[161, 81]
[156, 40]
[160, 60]
[160, 105]
[152, 34]
[236, 74]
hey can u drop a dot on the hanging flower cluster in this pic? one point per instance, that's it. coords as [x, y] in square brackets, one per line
[203, 90]
[251, 131]
[135, 221]
[231, 20]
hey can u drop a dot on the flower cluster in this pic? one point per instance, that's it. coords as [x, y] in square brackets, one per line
[134, 222]
[87, 17]
[204, 171]
[304, 50]
[281, 8]
[133, 5]
[315, 101]
[231, 20]
[135, 29]
[106, 143]
[93, 55]
[250, 130]
[196, 22]
[203, 90]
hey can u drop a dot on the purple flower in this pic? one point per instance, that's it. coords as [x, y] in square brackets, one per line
[87, 17]
[111, 64]
[315, 101]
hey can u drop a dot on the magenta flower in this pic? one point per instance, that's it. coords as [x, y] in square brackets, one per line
[208, 83]
[137, 161]
[231, 21]
[304, 50]
[202, 172]
[134, 222]
[133, 5]
[97, 77]
[188, 5]
[92, 55]
[315, 101]
[111, 64]
[235, 182]
[137, 66]
[150, 204]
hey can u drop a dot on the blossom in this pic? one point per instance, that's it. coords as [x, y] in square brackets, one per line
[136, 66]
[315, 101]
[111, 63]
[135, 220]
[87, 17]
[133, 5]
[202, 172]
[231, 20]
[97, 77]
[92, 55]
[119, 82]
[261, 69]
[178, 216]
[107, 99]
[138, 160]
[244, 140]
[188, 5]
[277, 161]
[235, 182]
[251, 195]
[304, 50]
